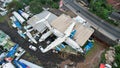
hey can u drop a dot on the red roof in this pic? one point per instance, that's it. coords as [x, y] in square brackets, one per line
[102, 65]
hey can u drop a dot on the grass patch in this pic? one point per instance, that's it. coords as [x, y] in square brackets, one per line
[2, 18]
[103, 57]
[92, 49]
[95, 44]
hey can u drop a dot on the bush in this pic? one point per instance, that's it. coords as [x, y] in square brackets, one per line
[101, 9]
[35, 7]
[26, 1]
[117, 55]
[55, 5]
[103, 60]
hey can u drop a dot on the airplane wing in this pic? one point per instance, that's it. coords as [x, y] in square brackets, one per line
[30, 36]
[53, 44]
[69, 29]
[44, 19]
[47, 16]
[48, 25]
[40, 21]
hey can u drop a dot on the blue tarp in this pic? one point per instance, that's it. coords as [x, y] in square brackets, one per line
[18, 25]
[72, 33]
[88, 46]
[12, 51]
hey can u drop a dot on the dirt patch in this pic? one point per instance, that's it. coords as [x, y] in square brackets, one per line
[92, 59]
[31, 58]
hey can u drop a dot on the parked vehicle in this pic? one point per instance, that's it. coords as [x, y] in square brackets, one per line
[32, 47]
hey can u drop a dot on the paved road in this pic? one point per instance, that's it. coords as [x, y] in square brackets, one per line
[104, 27]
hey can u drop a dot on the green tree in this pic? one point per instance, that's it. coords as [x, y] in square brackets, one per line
[43, 1]
[49, 2]
[55, 5]
[35, 7]
[102, 9]
[15, 5]
[56, 0]
[117, 55]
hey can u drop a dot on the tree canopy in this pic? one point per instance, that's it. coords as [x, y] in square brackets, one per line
[35, 5]
[102, 9]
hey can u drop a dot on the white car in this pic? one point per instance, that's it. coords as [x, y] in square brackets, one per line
[40, 47]
[32, 47]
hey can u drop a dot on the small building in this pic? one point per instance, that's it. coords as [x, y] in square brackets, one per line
[5, 41]
[82, 32]
[3, 38]
[41, 27]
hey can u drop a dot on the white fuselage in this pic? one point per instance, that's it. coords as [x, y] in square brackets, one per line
[25, 15]
[68, 40]
[19, 18]
[62, 37]
[30, 36]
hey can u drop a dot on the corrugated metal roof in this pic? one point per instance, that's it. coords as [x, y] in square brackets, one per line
[82, 33]
[41, 26]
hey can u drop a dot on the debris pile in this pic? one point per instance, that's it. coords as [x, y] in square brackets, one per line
[109, 56]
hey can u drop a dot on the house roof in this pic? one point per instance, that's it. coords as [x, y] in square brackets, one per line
[41, 26]
[82, 33]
